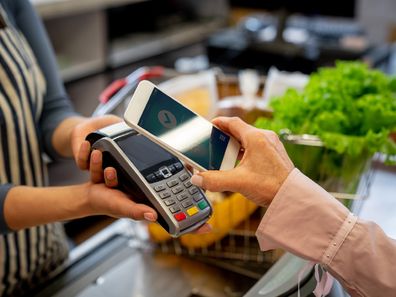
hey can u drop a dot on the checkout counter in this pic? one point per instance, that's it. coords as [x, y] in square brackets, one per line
[119, 262]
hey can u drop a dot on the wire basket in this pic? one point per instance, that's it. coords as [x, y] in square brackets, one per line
[347, 178]
[232, 244]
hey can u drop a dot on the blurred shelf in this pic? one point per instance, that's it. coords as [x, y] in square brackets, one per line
[140, 46]
[78, 30]
[81, 69]
[56, 8]
[80, 43]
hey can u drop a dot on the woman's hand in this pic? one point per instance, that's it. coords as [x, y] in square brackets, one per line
[112, 202]
[262, 170]
[98, 175]
[32, 206]
[82, 148]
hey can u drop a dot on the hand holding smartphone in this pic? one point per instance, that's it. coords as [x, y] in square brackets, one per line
[179, 130]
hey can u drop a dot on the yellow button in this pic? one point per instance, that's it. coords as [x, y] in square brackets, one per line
[192, 211]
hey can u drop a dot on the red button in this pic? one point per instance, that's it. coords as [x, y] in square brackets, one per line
[180, 216]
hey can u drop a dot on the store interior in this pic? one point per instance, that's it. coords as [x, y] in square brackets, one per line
[218, 57]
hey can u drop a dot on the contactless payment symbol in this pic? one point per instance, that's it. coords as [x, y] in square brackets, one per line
[167, 119]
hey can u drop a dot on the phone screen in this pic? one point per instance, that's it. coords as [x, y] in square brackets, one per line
[183, 130]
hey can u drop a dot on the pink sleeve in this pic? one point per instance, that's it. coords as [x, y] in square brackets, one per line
[307, 221]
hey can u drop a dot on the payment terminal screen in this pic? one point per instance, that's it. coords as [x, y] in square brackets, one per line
[186, 132]
[143, 152]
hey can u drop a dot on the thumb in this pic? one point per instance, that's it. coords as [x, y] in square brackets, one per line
[215, 181]
[106, 120]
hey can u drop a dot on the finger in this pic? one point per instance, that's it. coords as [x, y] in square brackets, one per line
[189, 168]
[216, 181]
[108, 120]
[88, 125]
[83, 155]
[95, 167]
[135, 211]
[234, 126]
[100, 122]
[110, 177]
[204, 229]
[240, 154]
[143, 212]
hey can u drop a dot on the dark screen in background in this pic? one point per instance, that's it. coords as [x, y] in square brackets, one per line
[338, 8]
[197, 138]
[143, 152]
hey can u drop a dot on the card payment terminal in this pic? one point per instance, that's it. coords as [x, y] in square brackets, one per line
[153, 176]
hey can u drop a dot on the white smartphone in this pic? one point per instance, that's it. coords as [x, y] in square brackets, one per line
[179, 130]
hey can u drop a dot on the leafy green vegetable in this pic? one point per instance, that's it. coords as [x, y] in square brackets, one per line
[350, 107]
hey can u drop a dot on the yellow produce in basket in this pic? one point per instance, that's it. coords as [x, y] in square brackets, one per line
[227, 215]
[157, 233]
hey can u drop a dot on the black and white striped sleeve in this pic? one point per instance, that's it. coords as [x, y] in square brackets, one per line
[57, 106]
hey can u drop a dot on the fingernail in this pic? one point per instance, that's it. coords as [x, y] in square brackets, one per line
[95, 157]
[110, 175]
[205, 229]
[149, 217]
[87, 145]
[197, 180]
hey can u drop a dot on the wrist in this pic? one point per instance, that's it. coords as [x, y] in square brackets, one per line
[80, 206]
[29, 206]
[279, 183]
[268, 187]
[62, 139]
[73, 130]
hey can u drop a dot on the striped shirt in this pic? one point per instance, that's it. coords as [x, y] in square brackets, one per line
[32, 104]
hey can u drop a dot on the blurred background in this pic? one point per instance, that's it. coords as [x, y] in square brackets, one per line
[226, 57]
[97, 42]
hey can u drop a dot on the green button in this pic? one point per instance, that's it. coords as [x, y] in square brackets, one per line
[203, 204]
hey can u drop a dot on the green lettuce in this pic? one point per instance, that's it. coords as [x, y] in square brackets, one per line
[350, 107]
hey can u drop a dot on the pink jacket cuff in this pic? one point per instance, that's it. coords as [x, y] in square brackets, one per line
[307, 221]
[298, 220]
